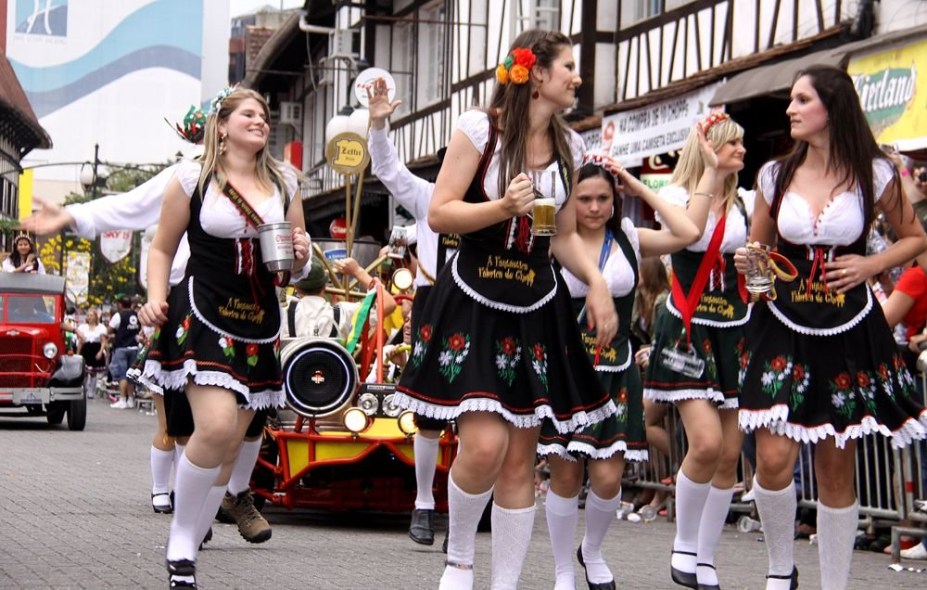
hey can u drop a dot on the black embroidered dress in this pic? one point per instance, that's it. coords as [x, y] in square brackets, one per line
[818, 363]
[497, 333]
[624, 431]
[717, 336]
[223, 319]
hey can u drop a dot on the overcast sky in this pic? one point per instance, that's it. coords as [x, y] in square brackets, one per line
[239, 7]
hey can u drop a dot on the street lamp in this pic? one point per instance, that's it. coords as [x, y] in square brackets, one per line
[89, 173]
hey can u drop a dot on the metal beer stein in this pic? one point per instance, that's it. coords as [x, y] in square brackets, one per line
[277, 245]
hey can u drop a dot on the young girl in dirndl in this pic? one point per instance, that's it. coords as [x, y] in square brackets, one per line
[217, 342]
[615, 246]
[820, 364]
[497, 348]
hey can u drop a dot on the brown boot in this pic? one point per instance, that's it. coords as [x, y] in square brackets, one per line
[251, 525]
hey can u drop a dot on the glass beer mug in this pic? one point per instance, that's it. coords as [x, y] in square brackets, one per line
[544, 213]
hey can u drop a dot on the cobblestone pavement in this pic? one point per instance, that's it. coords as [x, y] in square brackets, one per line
[75, 514]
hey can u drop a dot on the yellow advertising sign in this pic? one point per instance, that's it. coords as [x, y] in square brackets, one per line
[25, 194]
[893, 93]
[347, 153]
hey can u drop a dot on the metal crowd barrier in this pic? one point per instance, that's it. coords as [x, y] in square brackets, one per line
[889, 482]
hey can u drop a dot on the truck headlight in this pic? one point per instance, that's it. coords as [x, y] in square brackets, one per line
[50, 350]
[407, 423]
[355, 420]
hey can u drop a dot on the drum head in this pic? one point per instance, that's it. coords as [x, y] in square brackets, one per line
[319, 376]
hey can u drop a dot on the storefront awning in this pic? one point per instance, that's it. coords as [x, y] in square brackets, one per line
[772, 79]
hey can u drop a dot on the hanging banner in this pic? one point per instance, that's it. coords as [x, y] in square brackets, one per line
[116, 245]
[893, 93]
[77, 277]
[661, 127]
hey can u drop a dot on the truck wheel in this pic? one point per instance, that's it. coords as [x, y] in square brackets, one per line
[77, 414]
[54, 413]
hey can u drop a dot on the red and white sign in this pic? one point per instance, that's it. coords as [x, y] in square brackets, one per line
[338, 229]
[116, 245]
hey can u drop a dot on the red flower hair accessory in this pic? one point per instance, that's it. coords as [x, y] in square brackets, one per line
[712, 120]
[516, 67]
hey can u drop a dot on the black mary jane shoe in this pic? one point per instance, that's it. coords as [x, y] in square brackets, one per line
[705, 586]
[793, 577]
[447, 535]
[206, 538]
[610, 585]
[422, 527]
[687, 579]
[181, 568]
[163, 509]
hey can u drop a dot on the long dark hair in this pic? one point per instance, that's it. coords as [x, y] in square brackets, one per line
[594, 171]
[852, 146]
[15, 258]
[654, 281]
[511, 101]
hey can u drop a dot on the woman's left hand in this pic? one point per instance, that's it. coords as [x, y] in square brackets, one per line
[600, 313]
[300, 243]
[849, 270]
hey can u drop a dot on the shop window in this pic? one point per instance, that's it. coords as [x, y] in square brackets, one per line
[536, 14]
[636, 11]
[401, 64]
[432, 61]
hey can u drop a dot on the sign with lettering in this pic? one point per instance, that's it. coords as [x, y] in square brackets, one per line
[116, 244]
[892, 92]
[347, 153]
[662, 127]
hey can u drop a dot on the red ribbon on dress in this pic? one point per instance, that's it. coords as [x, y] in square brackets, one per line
[817, 263]
[686, 304]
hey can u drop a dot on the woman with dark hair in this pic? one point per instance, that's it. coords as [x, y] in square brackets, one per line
[23, 258]
[694, 359]
[820, 363]
[215, 354]
[615, 246]
[497, 348]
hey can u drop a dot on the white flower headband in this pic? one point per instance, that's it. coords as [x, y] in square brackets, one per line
[216, 103]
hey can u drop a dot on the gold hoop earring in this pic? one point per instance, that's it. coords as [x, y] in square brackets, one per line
[222, 146]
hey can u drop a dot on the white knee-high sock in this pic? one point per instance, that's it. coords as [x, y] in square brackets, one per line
[161, 464]
[426, 457]
[714, 514]
[511, 535]
[690, 503]
[777, 513]
[562, 521]
[836, 538]
[600, 514]
[190, 490]
[464, 512]
[208, 513]
[240, 478]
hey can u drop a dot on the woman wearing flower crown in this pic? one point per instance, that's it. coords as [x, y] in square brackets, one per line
[694, 358]
[23, 258]
[217, 343]
[820, 363]
[615, 246]
[498, 349]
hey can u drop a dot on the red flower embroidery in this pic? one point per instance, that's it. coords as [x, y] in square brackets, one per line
[456, 341]
[623, 395]
[251, 349]
[425, 332]
[508, 346]
[843, 381]
[778, 363]
[706, 346]
[862, 379]
[798, 373]
[186, 323]
[538, 352]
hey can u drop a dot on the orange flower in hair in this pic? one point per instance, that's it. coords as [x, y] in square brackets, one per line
[517, 66]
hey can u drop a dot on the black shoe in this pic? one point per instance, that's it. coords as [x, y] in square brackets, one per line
[182, 568]
[610, 585]
[160, 509]
[206, 538]
[793, 576]
[705, 586]
[687, 579]
[447, 534]
[422, 528]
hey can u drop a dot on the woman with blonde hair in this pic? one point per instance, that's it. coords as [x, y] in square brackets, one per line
[215, 352]
[498, 348]
[694, 359]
